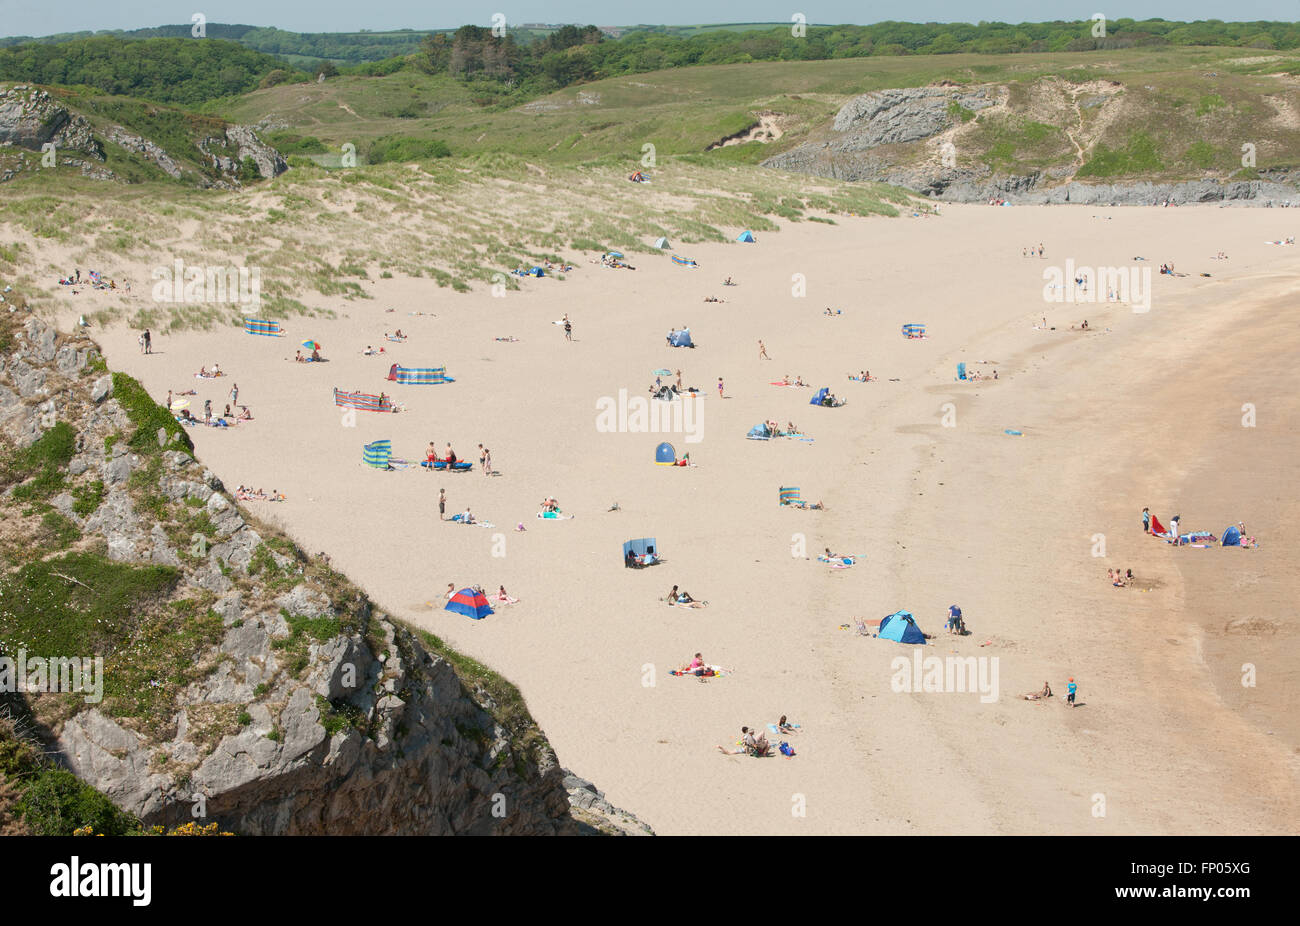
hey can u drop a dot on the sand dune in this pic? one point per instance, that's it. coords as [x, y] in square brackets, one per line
[1143, 409]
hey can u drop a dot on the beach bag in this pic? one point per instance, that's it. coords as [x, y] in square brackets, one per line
[786, 749]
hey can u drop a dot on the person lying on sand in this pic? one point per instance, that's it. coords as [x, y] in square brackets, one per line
[1040, 695]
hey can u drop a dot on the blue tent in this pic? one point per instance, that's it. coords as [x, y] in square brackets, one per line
[665, 455]
[746, 236]
[1231, 536]
[681, 338]
[537, 272]
[643, 552]
[961, 370]
[901, 628]
[759, 432]
[820, 396]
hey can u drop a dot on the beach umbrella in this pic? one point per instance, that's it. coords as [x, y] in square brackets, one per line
[311, 345]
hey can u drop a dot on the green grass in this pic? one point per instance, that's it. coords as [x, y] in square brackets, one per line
[1139, 156]
[147, 416]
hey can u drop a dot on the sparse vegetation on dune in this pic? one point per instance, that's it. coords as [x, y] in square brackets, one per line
[458, 221]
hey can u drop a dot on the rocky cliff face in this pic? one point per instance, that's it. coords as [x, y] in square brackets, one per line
[291, 705]
[898, 137]
[31, 118]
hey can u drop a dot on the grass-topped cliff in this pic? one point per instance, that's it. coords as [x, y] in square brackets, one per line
[240, 675]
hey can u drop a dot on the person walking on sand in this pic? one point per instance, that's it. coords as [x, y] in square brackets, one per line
[148, 342]
[234, 394]
[568, 329]
[762, 352]
[720, 387]
[487, 462]
[442, 504]
[1071, 688]
[1146, 520]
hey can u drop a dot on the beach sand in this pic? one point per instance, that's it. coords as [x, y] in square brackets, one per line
[1143, 409]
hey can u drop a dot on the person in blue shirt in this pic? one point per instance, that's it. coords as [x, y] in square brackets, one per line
[1071, 688]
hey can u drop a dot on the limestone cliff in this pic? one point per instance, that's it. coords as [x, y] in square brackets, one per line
[35, 122]
[243, 680]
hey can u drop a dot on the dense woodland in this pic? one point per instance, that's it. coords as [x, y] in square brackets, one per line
[166, 64]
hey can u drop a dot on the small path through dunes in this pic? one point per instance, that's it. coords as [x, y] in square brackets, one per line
[766, 129]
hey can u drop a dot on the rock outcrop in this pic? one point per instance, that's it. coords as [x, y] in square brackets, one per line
[303, 709]
[897, 137]
[32, 119]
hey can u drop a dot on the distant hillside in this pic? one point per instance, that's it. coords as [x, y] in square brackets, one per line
[168, 70]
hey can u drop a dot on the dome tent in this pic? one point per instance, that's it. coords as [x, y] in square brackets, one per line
[901, 628]
[665, 455]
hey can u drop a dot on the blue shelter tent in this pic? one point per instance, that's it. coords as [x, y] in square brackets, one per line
[537, 272]
[665, 455]
[820, 397]
[747, 236]
[1231, 536]
[681, 338]
[901, 628]
[759, 432]
[643, 552]
[961, 370]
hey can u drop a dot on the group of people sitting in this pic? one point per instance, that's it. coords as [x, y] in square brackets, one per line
[368, 352]
[829, 400]
[614, 262]
[205, 373]
[314, 358]
[1119, 577]
[785, 380]
[754, 742]
[249, 494]
[713, 299]
[94, 278]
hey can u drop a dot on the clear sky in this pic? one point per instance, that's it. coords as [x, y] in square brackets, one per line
[45, 17]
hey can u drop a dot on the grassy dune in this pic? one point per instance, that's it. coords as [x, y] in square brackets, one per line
[459, 221]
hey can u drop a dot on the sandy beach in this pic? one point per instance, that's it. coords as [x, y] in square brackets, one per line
[919, 478]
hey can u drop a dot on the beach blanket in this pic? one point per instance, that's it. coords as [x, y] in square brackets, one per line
[706, 671]
[837, 562]
[554, 516]
[460, 467]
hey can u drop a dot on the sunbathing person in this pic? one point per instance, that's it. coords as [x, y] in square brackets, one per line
[694, 667]
[784, 726]
[503, 597]
[1040, 695]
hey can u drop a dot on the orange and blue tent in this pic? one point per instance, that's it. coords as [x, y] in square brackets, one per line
[471, 603]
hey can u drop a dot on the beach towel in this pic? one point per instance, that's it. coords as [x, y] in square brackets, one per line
[703, 672]
[836, 562]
